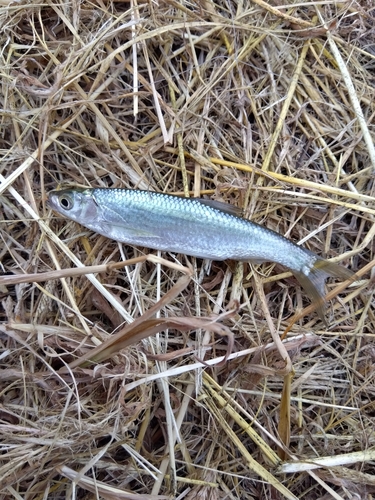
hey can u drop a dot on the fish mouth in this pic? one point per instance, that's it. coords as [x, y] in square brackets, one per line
[50, 203]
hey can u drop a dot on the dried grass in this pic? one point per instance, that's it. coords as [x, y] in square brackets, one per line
[269, 107]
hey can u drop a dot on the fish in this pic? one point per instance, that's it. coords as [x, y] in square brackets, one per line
[197, 227]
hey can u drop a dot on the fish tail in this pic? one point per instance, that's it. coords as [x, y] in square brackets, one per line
[314, 282]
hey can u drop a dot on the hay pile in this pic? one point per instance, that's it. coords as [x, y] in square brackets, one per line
[264, 105]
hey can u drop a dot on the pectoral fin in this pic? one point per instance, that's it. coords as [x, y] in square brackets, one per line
[124, 232]
[114, 225]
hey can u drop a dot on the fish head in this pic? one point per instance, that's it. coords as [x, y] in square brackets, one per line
[76, 204]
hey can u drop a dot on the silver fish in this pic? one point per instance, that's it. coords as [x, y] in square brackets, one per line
[193, 226]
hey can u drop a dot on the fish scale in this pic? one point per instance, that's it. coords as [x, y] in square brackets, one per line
[186, 225]
[193, 226]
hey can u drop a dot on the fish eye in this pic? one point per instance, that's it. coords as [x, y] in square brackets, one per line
[66, 202]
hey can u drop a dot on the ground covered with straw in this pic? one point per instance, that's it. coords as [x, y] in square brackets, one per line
[131, 374]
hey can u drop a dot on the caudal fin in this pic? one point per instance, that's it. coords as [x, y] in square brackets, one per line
[314, 282]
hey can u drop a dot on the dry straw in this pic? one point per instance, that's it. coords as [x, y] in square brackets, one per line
[131, 375]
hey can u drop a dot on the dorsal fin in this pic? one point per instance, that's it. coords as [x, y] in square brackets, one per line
[220, 205]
